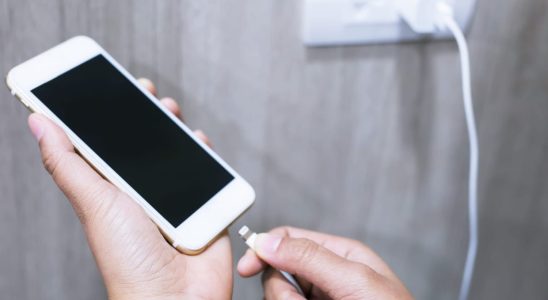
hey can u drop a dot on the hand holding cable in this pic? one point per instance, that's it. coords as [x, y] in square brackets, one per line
[326, 267]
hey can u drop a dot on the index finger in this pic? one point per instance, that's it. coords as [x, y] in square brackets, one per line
[250, 264]
[149, 85]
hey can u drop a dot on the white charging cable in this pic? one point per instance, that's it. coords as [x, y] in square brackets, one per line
[447, 20]
[427, 16]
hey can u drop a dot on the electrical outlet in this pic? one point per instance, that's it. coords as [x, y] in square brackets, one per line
[340, 22]
[359, 12]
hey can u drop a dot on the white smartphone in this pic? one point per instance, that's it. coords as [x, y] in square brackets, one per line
[134, 142]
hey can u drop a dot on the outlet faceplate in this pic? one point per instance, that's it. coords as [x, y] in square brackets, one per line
[341, 22]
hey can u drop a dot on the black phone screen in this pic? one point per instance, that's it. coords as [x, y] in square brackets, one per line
[135, 138]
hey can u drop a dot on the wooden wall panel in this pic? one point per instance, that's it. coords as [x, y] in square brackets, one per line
[366, 142]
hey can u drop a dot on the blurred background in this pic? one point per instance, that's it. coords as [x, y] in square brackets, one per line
[367, 142]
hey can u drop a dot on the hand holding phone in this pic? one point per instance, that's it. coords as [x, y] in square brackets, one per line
[130, 251]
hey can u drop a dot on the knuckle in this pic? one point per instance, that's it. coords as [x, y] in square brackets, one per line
[362, 273]
[92, 203]
[304, 250]
[360, 282]
[51, 161]
[283, 230]
[206, 139]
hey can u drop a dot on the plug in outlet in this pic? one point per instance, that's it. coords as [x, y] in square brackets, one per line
[360, 12]
[340, 22]
[420, 14]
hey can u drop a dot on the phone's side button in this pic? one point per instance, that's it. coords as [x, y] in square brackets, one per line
[23, 101]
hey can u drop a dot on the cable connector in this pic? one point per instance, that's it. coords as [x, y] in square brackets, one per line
[249, 237]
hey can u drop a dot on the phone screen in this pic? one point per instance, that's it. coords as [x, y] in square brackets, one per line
[135, 138]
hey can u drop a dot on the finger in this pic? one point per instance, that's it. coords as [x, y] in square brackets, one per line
[201, 135]
[169, 103]
[277, 287]
[314, 263]
[250, 265]
[86, 189]
[149, 85]
[172, 106]
[332, 242]
[350, 249]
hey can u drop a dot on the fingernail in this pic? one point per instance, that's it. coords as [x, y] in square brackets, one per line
[267, 244]
[36, 127]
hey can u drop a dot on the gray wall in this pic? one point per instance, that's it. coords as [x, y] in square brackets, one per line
[367, 142]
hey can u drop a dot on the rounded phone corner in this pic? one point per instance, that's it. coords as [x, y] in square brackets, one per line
[252, 195]
[249, 195]
[83, 39]
[195, 249]
[9, 80]
[179, 246]
[191, 252]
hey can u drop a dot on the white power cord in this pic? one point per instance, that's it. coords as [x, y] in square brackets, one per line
[447, 20]
[474, 157]
[419, 17]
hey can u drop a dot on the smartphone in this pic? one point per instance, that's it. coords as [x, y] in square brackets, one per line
[135, 143]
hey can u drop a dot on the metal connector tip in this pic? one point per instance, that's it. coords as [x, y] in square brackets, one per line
[245, 232]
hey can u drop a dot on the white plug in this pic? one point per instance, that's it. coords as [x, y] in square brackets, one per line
[424, 16]
[362, 12]
[343, 22]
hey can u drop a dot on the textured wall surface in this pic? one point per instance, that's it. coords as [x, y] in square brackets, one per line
[366, 142]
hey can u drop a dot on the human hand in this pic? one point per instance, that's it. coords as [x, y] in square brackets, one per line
[326, 266]
[132, 255]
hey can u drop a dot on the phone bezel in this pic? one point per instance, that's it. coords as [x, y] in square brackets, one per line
[205, 224]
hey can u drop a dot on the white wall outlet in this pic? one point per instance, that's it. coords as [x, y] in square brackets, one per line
[340, 22]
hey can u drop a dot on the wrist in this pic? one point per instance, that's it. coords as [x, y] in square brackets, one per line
[133, 294]
[143, 290]
[145, 295]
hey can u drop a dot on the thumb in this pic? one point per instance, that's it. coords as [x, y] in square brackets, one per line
[331, 273]
[78, 181]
